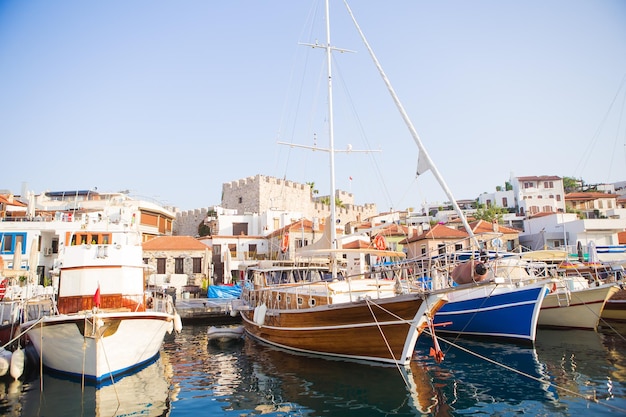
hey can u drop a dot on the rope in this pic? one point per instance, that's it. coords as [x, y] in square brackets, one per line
[106, 358]
[534, 378]
[369, 305]
[39, 320]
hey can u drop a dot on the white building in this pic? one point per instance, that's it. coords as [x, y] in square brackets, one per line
[538, 194]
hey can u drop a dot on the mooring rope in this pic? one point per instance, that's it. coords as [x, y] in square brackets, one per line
[591, 398]
[369, 303]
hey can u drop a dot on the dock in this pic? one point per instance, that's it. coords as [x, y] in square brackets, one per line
[212, 310]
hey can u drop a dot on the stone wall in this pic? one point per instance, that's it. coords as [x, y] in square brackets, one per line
[259, 194]
[187, 222]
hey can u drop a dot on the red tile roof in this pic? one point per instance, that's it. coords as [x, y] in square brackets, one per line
[174, 243]
[438, 231]
[482, 226]
[4, 199]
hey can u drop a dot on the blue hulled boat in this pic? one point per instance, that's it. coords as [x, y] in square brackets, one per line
[492, 309]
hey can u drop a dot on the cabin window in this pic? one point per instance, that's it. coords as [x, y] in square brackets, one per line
[300, 301]
[312, 302]
[288, 300]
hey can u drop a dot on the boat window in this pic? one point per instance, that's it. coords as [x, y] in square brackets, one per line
[300, 301]
[312, 302]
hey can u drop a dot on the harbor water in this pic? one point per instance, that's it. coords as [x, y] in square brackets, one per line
[566, 373]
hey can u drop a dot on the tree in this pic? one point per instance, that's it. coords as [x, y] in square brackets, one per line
[489, 214]
[204, 229]
[326, 200]
[314, 191]
[570, 184]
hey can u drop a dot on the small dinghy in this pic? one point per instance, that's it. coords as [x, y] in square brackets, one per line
[225, 334]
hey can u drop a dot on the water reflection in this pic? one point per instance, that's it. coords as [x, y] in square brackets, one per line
[576, 361]
[345, 388]
[195, 377]
[485, 376]
[144, 393]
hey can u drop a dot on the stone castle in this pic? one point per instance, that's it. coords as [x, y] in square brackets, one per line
[260, 194]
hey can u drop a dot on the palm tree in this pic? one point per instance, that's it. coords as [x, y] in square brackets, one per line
[314, 191]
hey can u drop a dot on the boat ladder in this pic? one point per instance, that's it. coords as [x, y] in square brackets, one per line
[563, 295]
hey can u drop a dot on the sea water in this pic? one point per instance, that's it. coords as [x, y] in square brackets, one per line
[566, 373]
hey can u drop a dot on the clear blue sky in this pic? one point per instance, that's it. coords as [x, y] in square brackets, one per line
[170, 99]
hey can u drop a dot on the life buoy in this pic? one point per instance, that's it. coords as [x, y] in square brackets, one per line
[380, 243]
[284, 243]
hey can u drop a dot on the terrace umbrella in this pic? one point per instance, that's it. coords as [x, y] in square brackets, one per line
[227, 266]
[17, 256]
[33, 260]
[592, 253]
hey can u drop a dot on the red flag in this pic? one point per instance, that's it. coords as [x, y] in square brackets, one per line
[96, 297]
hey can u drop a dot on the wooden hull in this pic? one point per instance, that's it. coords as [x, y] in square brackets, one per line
[580, 309]
[381, 330]
[98, 346]
[615, 307]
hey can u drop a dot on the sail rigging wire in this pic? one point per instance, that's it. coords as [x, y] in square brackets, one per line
[289, 131]
[424, 162]
[594, 139]
[364, 137]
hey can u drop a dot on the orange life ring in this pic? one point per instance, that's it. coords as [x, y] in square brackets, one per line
[284, 243]
[380, 243]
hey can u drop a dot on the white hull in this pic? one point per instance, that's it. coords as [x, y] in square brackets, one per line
[578, 309]
[119, 343]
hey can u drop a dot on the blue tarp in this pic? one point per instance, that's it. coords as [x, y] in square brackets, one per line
[224, 291]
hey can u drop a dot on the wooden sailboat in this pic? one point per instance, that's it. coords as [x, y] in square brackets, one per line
[320, 310]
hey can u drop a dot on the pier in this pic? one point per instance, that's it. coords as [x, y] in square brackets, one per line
[212, 310]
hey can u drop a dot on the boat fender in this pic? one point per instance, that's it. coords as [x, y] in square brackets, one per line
[463, 274]
[480, 269]
[5, 361]
[259, 314]
[178, 323]
[17, 363]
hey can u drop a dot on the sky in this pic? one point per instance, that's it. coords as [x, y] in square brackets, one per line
[169, 100]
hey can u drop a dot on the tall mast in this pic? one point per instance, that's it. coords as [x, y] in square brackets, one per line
[331, 146]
